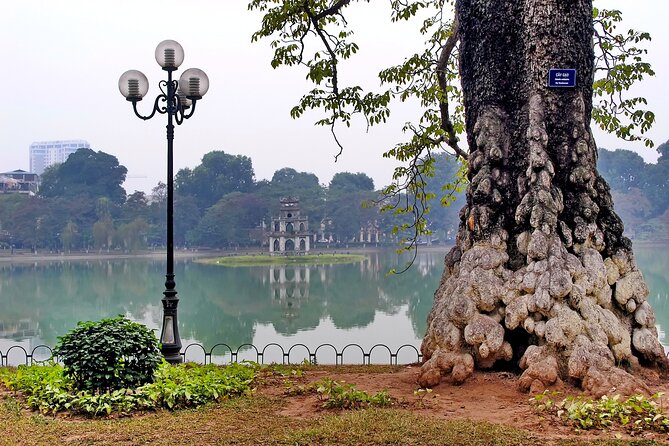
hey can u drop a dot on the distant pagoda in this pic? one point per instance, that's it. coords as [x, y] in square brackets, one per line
[289, 233]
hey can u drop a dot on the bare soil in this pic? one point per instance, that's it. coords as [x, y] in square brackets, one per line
[486, 397]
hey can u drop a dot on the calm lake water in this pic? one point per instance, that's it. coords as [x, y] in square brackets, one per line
[335, 304]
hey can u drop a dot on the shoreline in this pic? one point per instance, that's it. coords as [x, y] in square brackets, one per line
[82, 256]
[29, 257]
[21, 256]
[265, 259]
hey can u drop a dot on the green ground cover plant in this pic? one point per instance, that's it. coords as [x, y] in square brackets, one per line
[339, 395]
[634, 414]
[335, 395]
[49, 389]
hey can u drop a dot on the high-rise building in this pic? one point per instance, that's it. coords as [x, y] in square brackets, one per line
[47, 153]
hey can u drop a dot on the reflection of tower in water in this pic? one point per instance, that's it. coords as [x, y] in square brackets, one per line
[427, 263]
[289, 288]
[371, 266]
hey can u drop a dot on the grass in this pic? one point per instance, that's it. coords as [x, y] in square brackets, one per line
[399, 427]
[264, 260]
[255, 421]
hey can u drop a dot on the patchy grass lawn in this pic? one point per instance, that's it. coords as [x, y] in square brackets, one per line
[253, 421]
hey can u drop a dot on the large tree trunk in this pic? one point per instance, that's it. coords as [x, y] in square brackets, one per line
[541, 275]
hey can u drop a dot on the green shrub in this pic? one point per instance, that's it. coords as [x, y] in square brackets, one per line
[49, 390]
[108, 355]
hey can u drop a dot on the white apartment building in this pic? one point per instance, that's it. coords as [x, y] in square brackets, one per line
[47, 153]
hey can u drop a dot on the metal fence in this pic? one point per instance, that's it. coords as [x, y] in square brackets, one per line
[270, 353]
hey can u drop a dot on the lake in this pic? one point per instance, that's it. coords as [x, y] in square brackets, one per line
[311, 305]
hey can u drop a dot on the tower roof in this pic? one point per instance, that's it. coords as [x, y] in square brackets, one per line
[289, 199]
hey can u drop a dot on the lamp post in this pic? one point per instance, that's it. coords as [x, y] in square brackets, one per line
[175, 100]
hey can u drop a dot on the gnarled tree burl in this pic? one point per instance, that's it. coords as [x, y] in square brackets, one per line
[541, 273]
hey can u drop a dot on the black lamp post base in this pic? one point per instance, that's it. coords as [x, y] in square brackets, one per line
[169, 337]
[172, 357]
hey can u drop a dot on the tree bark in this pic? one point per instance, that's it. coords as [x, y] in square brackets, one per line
[541, 276]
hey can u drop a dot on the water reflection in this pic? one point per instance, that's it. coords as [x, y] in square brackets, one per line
[289, 287]
[653, 260]
[22, 329]
[295, 304]
[42, 301]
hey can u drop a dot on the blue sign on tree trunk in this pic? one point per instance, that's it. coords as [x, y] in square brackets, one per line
[562, 78]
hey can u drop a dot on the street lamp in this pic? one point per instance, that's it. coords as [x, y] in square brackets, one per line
[175, 100]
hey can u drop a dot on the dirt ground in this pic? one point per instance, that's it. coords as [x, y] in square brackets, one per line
[489, 397]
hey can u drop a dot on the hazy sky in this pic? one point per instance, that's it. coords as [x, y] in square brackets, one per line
[62, 60]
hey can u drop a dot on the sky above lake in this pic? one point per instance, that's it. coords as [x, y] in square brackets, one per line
[62, 60]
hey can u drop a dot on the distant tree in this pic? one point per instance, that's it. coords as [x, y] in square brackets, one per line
[159, 193]
[663, 150]
[344, 182]
[103, 233]
[303, 185]
[158, 214]
[136, 205]
[68, 236]
[186, 217]
[22, 217]
[349, 214]
[11, 206]
[449, 184]
[229, 221]
[103, 228]
[218, 174]
[633, 208]
[289, 179]
[86, 172]
[622, 169]
[656, 181]
[132, 236]
[347, 195]
[58, 212]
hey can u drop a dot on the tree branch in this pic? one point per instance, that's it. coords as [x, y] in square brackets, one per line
[334, 9]
[314, 20]
[334, 135]
[446, 124]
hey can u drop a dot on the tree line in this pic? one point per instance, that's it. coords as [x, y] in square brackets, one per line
[81, 205]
